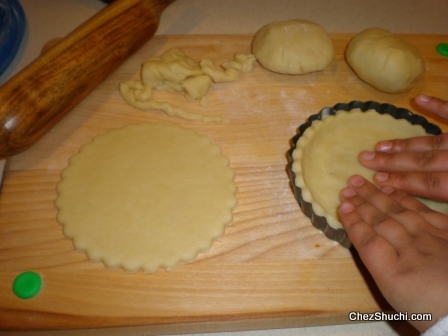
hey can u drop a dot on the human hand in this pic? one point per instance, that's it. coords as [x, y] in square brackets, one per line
[433, 105]
[418, 166]
[403, 244]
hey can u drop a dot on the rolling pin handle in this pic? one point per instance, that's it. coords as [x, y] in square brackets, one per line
[38, 97]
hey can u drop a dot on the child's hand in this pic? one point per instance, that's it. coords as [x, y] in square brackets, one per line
[418, 166]
[403, 244]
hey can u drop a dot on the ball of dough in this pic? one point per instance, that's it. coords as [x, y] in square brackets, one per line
[385, 61]
[293, 47]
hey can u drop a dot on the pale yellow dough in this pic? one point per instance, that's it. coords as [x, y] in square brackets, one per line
[385, 60]
[146, 197]
[174, 71]
[139, 96]
[326, 155]
[293, 47]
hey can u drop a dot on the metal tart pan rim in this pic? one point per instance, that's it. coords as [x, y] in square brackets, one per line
[320, 222]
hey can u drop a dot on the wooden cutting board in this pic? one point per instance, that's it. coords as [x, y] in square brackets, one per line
[271, 269]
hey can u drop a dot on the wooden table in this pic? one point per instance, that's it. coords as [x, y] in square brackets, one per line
[271, 268]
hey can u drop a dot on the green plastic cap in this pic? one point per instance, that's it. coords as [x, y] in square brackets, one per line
[27, 285]
[442, 49]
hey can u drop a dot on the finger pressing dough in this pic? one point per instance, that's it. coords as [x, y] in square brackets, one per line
[293, 47]
[385, 61]
[326, 155]
[146, 197]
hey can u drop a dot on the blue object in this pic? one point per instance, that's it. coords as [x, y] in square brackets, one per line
[12, 29]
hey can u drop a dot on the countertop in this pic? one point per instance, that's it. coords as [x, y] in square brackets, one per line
[48, 19]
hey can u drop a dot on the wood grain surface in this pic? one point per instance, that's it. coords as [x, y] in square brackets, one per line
[270, 269]
[39, 96]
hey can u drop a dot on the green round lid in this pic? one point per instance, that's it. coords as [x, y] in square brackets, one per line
[27, 285]
[442, 49]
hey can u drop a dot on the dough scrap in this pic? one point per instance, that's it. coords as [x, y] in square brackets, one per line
[230, 69]
[139, 96]
[326, 155]
[293, 47]
[241, 62]
[385, 60]
[174, 71]
[168, 71]
[146, 197]
[196, 87]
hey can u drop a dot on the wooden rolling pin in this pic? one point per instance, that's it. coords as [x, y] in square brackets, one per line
[35, 99]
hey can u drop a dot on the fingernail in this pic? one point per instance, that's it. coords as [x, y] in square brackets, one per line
[346, 207]
[367, 155]
[381, 177]
[357, 181]
[348, 192]
[384, 146]
[423, 98]
[387, 190]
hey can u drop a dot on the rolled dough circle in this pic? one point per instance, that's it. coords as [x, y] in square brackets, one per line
[146, 197]
[385, 61]
[293, 47]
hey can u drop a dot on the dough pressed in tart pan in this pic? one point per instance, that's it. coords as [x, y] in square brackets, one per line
[326, 155]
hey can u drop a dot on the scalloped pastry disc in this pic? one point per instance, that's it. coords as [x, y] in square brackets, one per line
[146, 197]
[326, 155]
